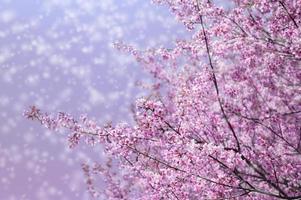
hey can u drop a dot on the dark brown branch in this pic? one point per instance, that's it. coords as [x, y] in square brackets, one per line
[179, 169]
[216, 86]
[263, 176]
[290, 16]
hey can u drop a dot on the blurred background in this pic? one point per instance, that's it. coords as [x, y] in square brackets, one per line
[58, 55]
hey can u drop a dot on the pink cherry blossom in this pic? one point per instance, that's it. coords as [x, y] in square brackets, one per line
[223, 120]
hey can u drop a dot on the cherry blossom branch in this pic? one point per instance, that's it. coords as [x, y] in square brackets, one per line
[216, 85]
[288, 13]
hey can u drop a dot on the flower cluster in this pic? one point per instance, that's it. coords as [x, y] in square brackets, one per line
[225, 119]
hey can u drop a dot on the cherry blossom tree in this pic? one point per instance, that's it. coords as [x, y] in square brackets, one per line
[223, 118]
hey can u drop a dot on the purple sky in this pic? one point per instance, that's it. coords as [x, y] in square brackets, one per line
[58, 55]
